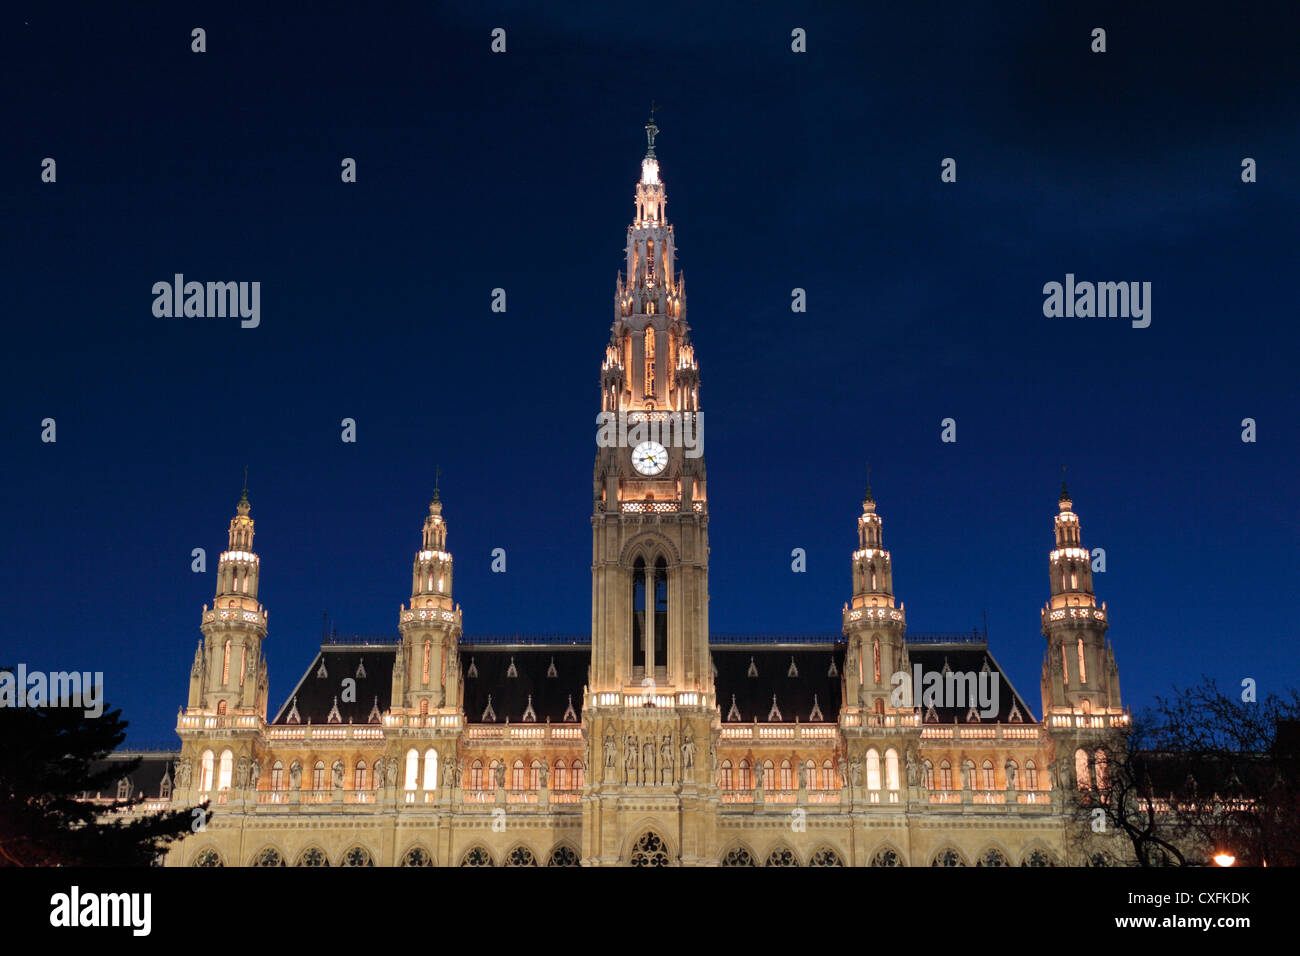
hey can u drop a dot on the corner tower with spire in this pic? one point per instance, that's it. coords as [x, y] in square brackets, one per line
[426, 672]
[1080, 678]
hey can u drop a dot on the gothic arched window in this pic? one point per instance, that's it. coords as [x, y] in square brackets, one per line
[563, 856]
[649, 850]
[875, 654]
[1081, 775]
[1031, 775]
[947, 857]
[270, 856]
[277, 776]
[891, 769]
[825, 856]
[579, 775]
[992, 857]
[738, 856]
[477, 856]
[431, 769]
[782, 856]
[357, 856]
[638, 613]
[476, 775]
[661, 613]
[873, 769]
[205, 771]
[561, 776]
[318, 776]
[1083, 668]
[227, 766]
[412, 769]
[360, 779]
[1099, 761]
[517, 776]
[945, 775]
[987, 774]
[886, 857]
[726, 782]
[521, 856]
[417, 856]
[746, 777]
[927, 775]
[786, 781]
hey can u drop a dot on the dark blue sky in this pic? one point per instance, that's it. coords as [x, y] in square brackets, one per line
[818, 171]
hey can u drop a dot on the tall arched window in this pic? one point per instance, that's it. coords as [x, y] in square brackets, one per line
[1031, 775]
[225, 664]
[875, 657]
[638, 613]
[476, 775]
[205, 771]
[927, 775]
[873, 769]
[945, 775]
[561, 776]
[318, 776]
[768, 776]
[650, 361]
[1083, 667]
[517, 776]
[988, 781]
[787, 776]
[828, 776]
[891, 769]
[1099, 761]
[412, 769]
[361, 778]
[1081, 774]
[579, 775]
[227, 766]
[746, 776]
[661, 613]
[431, 769]
[726, 782]
[277, 776]
[535, 776]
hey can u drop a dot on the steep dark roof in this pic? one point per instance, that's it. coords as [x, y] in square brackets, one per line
[486, 670]
[794, 694]
[974, 658]
[146, 779]
[314, 695]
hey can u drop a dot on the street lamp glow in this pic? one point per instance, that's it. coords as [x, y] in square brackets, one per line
[1224, 858]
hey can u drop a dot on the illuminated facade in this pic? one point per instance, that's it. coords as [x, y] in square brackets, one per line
[648, 741]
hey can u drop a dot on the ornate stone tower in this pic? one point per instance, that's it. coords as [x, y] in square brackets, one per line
[229, 673]
[1081, 699]
[650, 712]
[873, 626]
[226, 708]
[426, 673]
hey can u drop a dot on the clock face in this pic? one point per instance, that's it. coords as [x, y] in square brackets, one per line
[649, 458]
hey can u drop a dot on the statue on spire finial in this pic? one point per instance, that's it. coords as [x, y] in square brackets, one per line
[651, 131]
[1065, 494]
[868, 496]
[243, 506]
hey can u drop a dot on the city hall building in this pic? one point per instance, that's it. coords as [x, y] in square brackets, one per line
[650, 743]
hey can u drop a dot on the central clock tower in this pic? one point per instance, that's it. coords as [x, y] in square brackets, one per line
[650, 685]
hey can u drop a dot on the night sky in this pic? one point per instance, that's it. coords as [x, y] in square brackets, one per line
[819, 171]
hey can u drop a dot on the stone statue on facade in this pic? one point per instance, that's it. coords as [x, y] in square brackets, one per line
[379, 773]
[688, 751]
[842, 770]
[855, 768]
[254, 774]
[1011, 774]
[295, 775]
[648, 765]
[544, 774]
[241, 772]
[182, 774]
[610, 750]
[336, 774]
[448, 771]
[390, 770]
[803, 775]
[666, 760]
